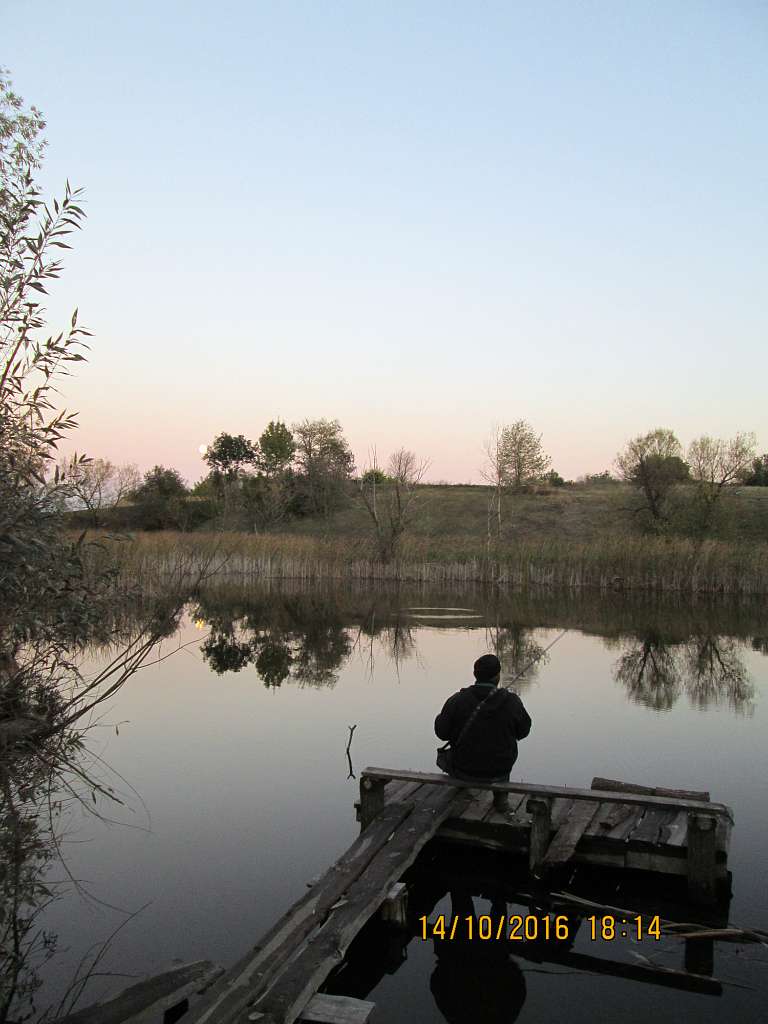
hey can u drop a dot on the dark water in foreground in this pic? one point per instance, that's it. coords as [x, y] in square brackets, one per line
[230, 757]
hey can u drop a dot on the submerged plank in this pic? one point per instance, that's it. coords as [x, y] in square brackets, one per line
[150, 998]
[311, 964]
[250, 975]
[324, 1009]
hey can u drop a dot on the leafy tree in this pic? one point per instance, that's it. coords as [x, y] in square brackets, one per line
[324, 463]
[229, 454]
[276, 448]
[758, 477]
[41, 600]
[554, 479]
[653, 463]
[522, 456]
[373, 477]
[161, 499]
[21, 144]
[266, 500]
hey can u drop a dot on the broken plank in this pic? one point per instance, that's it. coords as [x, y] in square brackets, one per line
[309, 967]
[325, 1009]
[561, 848]
[675, 832]
[649, 828]
[607, 817]
[150, 998]
[253, 971]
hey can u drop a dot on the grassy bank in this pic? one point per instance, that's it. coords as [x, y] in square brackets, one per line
[614, 562]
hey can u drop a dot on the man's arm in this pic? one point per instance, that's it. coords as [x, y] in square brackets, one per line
[520, 717]
[445, 721]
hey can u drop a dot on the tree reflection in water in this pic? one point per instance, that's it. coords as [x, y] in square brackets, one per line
[304, 641]
[41, 786]
[520, 655]
[709, 669]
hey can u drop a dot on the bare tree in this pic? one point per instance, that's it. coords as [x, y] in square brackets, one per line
[494, 472]
[391, 498]
[717, 463]
[99, 484]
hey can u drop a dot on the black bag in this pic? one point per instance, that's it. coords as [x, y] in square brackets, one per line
[445, 753]
[445, 759]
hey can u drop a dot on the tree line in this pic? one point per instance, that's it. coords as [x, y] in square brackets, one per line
[308, 469]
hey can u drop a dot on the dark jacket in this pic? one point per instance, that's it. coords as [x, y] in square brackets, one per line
[489, 747]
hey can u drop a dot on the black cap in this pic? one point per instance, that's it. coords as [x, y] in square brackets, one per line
[487, 668]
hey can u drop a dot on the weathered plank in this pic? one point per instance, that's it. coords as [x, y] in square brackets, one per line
[608, 817]
[148, 999]
[478, 808]
[396, 791]
[232, 992]
[568, 835]
[541, 825]
[530, 789]
[675, 833]
[614, 786]
[514, 814]
[650, 827]
[561, 808]
[311, 964]
[324, 1009]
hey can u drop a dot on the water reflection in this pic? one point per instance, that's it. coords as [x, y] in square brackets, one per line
[25, 851]
[666, 650]
[708, 669]
[475, 981]
[299, 638]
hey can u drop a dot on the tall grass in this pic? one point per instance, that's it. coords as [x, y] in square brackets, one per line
[148, 560]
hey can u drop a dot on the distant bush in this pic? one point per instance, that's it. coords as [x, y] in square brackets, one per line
[759, 475]
[597, 479]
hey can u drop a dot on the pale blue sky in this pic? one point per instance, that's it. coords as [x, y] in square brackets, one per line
[419, 218]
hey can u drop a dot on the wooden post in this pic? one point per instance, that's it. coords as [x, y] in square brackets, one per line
[700, 956]
[371, 799]
[539, 809]
[702, 834]
[394, 909]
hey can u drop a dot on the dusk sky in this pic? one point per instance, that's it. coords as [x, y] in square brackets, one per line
[419, 218]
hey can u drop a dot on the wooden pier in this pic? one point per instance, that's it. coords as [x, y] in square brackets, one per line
[615, 825]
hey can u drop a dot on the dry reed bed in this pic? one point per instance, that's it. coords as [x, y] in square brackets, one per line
[151, 560]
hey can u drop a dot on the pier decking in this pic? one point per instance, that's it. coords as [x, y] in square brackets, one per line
[613, 824]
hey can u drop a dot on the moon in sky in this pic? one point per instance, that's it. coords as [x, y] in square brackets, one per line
[203, 449]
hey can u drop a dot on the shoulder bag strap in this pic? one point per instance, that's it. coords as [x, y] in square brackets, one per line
[472, 717]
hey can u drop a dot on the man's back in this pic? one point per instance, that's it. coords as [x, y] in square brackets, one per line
[489, 746]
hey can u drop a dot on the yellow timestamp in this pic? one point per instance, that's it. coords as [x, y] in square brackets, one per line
[517, 928]
[608, 928]
[533, 928]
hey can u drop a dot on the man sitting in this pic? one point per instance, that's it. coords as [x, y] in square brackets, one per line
[488, 748]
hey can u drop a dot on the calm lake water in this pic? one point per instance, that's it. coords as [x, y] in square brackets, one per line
[230, 756]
